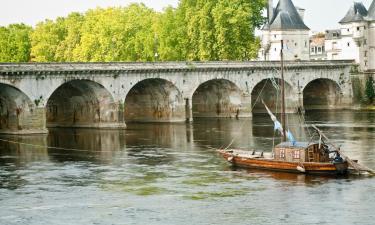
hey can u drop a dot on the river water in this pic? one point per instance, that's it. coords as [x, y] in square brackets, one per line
[171, 174]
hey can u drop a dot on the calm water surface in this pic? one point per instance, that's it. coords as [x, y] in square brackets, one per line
[171, 174]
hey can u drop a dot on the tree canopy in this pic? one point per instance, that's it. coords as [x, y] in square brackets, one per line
[198, 30]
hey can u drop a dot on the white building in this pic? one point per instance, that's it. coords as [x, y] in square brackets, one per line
[356, 37]
[285, 22]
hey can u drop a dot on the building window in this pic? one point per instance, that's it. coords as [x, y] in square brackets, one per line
[347, 30]
[296, 154]
[282, 153]
[274, 36]
[275, 50]
[312, 49]
[364, 42]
[306, 44]
[365, 53]
[319, 49]
[348, 44]
[365, 63]
[295, 44]
[357, 28]
[323, 49]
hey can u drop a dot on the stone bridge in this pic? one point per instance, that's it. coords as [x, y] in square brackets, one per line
[35, 96]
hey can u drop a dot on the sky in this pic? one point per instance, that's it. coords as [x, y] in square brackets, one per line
[319, 16]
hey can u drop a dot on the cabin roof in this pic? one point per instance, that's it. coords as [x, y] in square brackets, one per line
[295, 145]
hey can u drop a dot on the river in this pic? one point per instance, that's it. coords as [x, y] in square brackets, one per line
[171, 174]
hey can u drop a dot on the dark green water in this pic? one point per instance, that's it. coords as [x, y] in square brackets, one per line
[170, 174]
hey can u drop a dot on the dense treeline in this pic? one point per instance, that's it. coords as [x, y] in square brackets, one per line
[198, 30]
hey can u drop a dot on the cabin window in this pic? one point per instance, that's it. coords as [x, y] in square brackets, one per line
[282, 153]
[296, 154]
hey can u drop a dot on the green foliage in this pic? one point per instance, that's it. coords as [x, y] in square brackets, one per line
[198, 30]
[370, 92]
[46, 38]
[15, 43]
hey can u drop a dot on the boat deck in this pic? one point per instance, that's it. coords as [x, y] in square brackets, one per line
[250, 154]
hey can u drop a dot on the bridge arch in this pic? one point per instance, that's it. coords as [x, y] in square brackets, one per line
[18, 114]
[322, 93]
[154, 100]
[269, 90]
[82, 103]
[219, 98]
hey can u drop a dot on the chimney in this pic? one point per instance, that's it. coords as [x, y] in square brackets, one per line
[270, 11]
[301, 13]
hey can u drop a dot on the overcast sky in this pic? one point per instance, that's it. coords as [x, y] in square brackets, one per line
[320, 14]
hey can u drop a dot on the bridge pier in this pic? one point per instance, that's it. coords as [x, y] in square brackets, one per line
[189, 110]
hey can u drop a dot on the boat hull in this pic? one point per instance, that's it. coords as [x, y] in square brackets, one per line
[295, 167]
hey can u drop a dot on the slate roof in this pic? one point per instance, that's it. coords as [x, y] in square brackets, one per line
[356, 13]
[286, 17]
[371, 11]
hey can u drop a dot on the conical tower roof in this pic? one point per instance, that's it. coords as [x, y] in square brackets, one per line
[356, 13]
[286, 17]
[371, 11]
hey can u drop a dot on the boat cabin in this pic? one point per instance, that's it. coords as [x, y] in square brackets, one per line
[301, 152]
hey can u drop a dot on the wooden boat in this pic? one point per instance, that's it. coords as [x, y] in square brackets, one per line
[314, 157]
[301, 157]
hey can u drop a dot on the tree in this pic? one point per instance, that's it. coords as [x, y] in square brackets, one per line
[46, 38]
[117, 34]
[72, 37]
[15, 43]
[370, 92]
[171, 36]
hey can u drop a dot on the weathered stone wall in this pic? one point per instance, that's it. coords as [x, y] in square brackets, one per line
[154, 100]
[220, 98]
[82, 103]
[18, 114]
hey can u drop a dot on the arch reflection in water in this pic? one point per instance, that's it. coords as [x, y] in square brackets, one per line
[94, 145]
[220, 132]
[23, 149]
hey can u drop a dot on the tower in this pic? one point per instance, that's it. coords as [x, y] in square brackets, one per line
[284, 23]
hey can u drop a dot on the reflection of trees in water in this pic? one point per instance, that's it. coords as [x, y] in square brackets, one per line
[95, 145]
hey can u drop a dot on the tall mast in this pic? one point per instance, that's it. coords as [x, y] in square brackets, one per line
[282, 91]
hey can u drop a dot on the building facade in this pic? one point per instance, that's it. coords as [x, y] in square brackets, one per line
[355, 40]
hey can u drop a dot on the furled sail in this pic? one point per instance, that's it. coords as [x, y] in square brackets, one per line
[278, 126]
